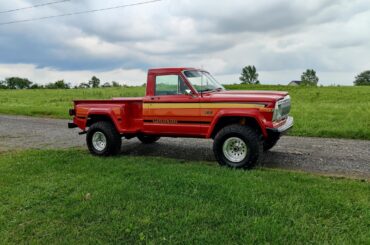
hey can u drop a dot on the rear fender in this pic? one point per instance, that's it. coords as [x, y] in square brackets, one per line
[242, 113]
[115, 115]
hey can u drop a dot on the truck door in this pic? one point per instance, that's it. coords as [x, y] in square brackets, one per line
[172, 110]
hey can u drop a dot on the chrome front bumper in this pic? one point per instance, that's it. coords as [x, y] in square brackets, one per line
[285, 127]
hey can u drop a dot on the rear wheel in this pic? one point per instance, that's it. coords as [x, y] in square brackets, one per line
[237, 146]
[148, 139]
[103, 139]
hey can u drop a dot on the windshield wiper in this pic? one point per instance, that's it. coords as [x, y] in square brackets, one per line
[207, 90]
[212, 90]
[216, 90]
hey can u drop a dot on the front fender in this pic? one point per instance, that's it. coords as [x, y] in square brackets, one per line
[242, 113]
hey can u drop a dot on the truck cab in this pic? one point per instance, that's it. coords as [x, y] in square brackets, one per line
[188, 102]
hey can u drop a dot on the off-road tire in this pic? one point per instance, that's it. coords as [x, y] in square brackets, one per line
[114, 141]
[270, 142]
[250, 137]
[148, 139]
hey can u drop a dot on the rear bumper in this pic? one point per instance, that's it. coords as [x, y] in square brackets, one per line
[283, 128]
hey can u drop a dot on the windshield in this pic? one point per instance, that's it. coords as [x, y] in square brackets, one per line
[203, 81]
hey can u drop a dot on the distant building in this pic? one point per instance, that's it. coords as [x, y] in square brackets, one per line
[295, 83]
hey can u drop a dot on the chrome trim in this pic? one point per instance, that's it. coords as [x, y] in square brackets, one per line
[99, 141]
[289, 123]
[235, 149]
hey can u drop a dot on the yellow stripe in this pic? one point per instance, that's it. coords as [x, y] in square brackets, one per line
[199, 105]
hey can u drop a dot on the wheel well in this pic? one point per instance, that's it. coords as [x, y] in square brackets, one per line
[225, 121]
[98, 118]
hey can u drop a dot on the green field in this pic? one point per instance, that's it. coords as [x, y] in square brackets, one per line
[342, 112]
[70, 197]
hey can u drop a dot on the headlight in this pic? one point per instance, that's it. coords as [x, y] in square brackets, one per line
[277, 115]
[282, 109]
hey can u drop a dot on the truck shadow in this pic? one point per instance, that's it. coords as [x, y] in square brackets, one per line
[283, 156]
[189, 150]
[180, 149]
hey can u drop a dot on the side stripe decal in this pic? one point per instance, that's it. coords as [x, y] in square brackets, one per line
[200, 105]
[176, 122]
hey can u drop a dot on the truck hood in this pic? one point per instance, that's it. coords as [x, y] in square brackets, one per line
[246, 96]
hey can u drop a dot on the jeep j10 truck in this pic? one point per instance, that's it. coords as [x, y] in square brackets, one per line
[187, 102]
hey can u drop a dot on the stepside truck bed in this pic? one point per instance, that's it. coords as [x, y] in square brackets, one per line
[126, 113]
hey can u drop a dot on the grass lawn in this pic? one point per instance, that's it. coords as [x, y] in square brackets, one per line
[71, 197]
[340, 112]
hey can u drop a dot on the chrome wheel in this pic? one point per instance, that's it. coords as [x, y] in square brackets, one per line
[99, 141]
[235, 149]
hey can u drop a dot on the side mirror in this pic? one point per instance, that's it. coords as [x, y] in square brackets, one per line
[188, 92]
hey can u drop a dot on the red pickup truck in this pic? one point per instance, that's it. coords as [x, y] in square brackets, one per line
[188, 102]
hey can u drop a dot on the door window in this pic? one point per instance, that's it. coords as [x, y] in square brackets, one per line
[170, 85]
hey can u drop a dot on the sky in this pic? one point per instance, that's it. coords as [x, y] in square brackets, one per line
[282, 38]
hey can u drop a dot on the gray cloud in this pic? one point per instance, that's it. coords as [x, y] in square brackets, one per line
[223, 36]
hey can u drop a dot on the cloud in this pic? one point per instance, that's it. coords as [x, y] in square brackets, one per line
[46, 74]
[279, 37]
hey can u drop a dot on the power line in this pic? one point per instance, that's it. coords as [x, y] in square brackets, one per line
[79, 13]
[34, 6]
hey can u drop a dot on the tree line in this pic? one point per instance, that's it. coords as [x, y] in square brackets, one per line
[24, 83]
[250, 75]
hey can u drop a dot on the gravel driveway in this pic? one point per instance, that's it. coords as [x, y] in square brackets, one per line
[325, 156]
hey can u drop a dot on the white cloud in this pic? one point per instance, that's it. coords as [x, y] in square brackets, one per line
[282, 38]
[47, 75]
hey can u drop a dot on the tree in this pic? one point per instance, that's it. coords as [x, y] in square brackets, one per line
[62, 85]
[84, 85]
[2, 85]
[249, 75]
[309, 78]
[363, 79]
[115, 84]
[36, 86]
[17, 83]
[58, 85]
[94, 82]
[106, 85]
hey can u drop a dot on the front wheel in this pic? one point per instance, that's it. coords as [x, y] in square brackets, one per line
[103, 139]
[238, 146]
